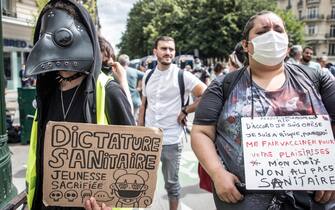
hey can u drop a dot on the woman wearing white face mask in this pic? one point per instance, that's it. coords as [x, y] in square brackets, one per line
[266, 86]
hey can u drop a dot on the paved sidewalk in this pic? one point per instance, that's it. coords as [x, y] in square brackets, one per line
[192, 197]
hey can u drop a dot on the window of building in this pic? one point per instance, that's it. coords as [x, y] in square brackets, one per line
[331, 49]
[8, 8]
[25, 57]
[300, 14]
[5, 4]
[311, 30]
[332, 14]
[332, 31]
[7, 65]
[312, 12]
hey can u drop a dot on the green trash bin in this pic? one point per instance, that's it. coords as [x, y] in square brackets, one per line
[7, 189]
[26, 97]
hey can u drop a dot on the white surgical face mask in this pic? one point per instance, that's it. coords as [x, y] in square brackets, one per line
[270, 48]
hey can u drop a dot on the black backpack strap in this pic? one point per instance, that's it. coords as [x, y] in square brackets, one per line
[182, 88]
[182, 92]
[145, 83]
[229, 82]
[148, 77]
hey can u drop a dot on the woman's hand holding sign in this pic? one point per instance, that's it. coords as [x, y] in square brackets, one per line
[324, 196]
[224, 183]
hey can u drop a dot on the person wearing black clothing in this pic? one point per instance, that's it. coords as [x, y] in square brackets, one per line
[67, 62]
[266, 86]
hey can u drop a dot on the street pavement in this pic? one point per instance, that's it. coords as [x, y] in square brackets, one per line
[192, 197]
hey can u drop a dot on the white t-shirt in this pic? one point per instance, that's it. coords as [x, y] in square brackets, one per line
[164, 103]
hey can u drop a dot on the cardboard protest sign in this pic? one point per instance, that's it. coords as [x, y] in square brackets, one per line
[115, 164]
[289, 153]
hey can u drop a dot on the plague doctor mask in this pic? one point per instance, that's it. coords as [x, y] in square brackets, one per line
[64, 44]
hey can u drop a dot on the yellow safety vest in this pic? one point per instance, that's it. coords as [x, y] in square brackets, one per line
[31, 164]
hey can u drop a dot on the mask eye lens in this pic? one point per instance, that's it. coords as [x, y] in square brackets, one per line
[63, 37]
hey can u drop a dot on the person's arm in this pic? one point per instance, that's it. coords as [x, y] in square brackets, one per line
[203, 136]
[325, 196]
[197, 91]
[139, 87]
[141, 114]
[117, 109]
[202, 142]
[140, 76]
[327, 92]
[192, 83]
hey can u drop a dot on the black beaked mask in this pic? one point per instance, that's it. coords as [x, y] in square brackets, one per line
[64, 44]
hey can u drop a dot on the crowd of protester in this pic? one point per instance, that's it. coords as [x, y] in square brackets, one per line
[98, 88]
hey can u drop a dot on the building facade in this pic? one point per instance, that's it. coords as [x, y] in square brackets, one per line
[319, 19]
[18, 21]
[18, 17]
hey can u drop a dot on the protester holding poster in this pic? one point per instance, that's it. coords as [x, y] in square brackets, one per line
[70, 87]
[265, 87]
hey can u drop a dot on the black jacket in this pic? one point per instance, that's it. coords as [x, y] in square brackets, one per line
[118, 109]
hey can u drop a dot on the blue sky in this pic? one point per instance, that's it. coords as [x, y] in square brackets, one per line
[113, 18]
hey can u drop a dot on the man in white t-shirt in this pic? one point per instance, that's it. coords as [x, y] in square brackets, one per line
[161, 107]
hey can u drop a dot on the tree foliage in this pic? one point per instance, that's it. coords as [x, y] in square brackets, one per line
[294, 27]
[40, 4]
[91, 6]
[211, 26]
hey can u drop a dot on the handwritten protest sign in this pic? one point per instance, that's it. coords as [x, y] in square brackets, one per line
[115, 164]
[289, 153]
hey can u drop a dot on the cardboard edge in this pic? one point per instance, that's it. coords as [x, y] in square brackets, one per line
[45, 203]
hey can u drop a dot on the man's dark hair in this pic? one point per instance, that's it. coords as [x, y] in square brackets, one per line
[307, 47]
[218, 68]
[162, 38]
[106, 47]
